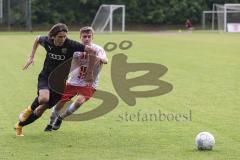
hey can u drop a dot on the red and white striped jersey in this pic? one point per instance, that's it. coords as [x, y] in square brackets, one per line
[79, 67]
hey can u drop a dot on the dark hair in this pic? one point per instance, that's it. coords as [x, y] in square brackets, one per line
[86, 29]
[59, 27]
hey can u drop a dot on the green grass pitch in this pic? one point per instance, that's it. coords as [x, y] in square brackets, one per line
[202, 67]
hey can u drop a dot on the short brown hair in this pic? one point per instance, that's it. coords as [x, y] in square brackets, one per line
[59, 27]
[86, 29]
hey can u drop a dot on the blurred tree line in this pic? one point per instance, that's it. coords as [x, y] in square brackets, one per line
[137, 11]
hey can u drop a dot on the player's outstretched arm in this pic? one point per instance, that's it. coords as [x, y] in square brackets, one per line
[30, 59]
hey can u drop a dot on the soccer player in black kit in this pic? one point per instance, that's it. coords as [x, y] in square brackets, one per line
[59, 49]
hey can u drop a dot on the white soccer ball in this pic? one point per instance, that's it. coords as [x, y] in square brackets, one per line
[205, 141]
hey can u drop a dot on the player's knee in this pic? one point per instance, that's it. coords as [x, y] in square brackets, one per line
[80, 101]
[43, 99]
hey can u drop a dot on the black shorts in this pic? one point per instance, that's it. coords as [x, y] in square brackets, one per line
[43, 84]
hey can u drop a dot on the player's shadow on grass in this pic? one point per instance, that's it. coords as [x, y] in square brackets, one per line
[204, 151]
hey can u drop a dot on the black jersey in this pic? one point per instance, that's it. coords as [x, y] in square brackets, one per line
[57, 54]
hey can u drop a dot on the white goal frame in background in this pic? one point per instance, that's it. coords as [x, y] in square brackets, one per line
[220, 13]
[104, 18]
[1, 11]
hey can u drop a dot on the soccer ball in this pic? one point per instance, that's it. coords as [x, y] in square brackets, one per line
[204, 141]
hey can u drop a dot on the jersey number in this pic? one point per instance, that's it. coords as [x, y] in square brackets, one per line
[83, 69]
[82, 72]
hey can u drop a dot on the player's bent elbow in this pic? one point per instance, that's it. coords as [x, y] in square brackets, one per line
[38, 37]
[104, 61]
